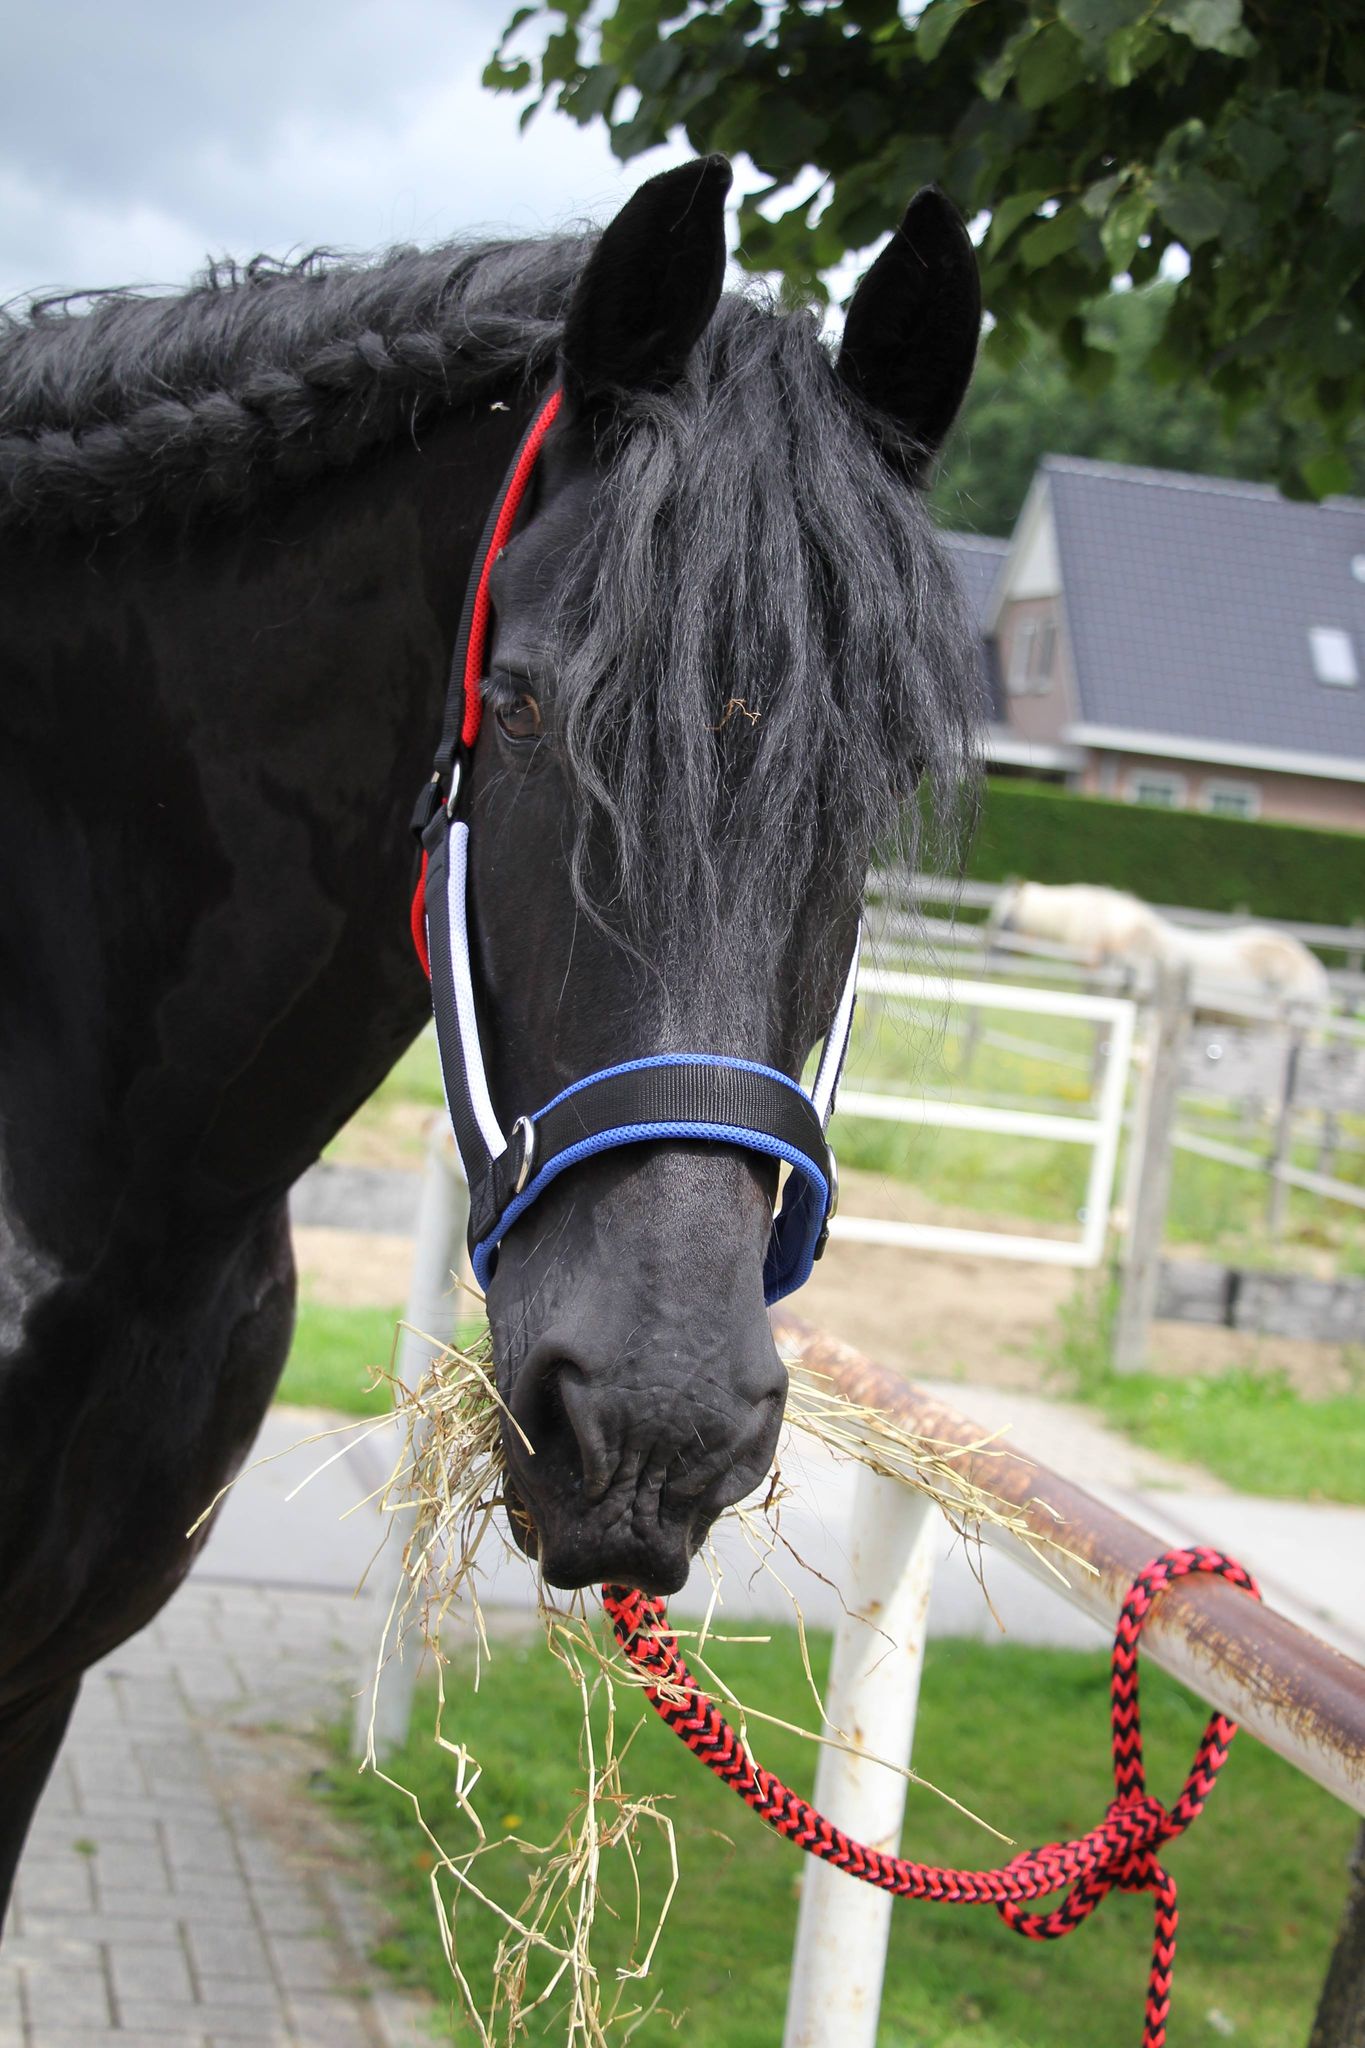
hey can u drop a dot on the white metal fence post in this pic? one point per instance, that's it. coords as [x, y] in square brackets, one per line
[429, 1320]
[836, 1983]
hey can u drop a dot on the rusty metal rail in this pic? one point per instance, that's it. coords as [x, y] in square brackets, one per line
[1293, 1692]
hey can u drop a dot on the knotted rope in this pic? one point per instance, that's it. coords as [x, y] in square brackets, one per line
[1121, 1853]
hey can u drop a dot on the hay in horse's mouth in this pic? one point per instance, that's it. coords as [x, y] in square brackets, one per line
[449, 1482]
[525, 1534]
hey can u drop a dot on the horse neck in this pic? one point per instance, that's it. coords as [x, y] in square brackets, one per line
[211, 749]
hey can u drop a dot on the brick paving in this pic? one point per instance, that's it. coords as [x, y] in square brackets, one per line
[181, 1889]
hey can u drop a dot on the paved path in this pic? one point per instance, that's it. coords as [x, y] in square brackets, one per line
[180, 1887]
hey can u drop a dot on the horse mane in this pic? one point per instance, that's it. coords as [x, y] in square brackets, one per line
[116, 405]
[763, 651]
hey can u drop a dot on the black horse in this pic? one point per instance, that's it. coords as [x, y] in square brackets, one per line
[236, 532]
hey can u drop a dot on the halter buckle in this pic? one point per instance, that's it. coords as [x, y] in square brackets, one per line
[524, 1130]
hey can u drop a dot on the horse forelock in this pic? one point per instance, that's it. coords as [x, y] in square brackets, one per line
[762, 650]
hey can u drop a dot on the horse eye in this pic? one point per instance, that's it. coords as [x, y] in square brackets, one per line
[521, 719]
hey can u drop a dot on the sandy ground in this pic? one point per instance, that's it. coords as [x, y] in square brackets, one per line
[993, 1322]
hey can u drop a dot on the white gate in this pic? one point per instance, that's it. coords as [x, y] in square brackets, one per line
[1100, 1131]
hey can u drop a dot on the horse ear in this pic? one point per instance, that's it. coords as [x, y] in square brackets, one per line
[912, 327]
[651, 284]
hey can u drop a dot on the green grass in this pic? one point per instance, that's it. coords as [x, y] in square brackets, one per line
[1019, 1734]
[1247, 1425]
[336, 1351]
[334, 1355]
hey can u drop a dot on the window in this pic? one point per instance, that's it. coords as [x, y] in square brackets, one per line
[1232, 799]
[1334, 656]
[1033, 649]
[1152, 786]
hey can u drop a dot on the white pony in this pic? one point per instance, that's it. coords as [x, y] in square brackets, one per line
[1250, 960]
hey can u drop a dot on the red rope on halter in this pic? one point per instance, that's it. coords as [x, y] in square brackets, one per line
[1120, 1853]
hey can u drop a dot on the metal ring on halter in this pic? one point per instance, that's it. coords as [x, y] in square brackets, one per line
[833, 1208]
[525, 1130]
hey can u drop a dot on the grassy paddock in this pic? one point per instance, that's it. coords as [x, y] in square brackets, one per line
[1021, 1735]
[1248, 1425]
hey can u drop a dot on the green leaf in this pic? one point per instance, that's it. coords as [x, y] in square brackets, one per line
[1211, 25]
[560, 60]
[1258, 149]
[500, 77]
[1182, 147]
[1130, 51]
[1121, 229]
[1097, 198]
[595, 95]
[936, 24]
[1327, 475]
[1191, 205]
[783, 134]
[1346, 199]
[1094, 21]
[1049, 65]
[868, 16]
[1051, 238]
[998, 73]
[1010, 214]
[658, 66]
[643, 130]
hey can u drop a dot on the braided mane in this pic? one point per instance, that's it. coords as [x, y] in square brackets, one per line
[122, 403]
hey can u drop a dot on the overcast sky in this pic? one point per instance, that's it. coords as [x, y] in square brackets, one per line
[138, 137]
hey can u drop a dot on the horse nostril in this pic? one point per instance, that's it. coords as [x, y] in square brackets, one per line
[553, 1404]
[583, 1416]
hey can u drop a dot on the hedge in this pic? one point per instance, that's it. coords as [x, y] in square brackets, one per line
[1042, 834]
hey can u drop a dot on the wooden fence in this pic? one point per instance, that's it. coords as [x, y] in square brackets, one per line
[1285, 1073]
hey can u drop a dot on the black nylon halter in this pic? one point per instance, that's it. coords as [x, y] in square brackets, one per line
[670, 1097]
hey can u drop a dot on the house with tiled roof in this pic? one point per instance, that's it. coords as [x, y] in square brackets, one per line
[1188, 641]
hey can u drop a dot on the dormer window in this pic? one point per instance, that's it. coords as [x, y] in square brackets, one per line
[1334, 656]
[1033, 649]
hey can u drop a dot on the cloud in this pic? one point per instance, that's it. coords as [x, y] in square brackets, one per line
[137, 140]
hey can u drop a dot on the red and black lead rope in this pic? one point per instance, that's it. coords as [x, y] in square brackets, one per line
[1121, 1853]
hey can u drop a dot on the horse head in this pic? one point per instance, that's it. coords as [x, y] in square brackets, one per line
[724, 650]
